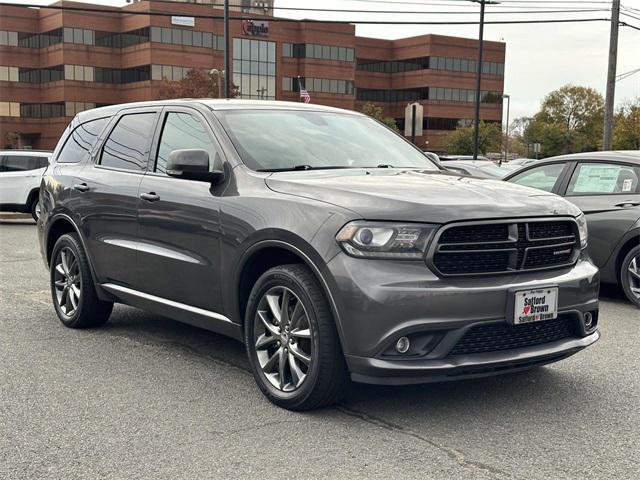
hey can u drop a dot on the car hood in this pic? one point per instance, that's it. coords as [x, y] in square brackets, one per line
[419, 196]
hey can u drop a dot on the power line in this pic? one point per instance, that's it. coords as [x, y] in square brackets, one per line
[625, 24]
[624, 75]
[420, 12]
[274, 19]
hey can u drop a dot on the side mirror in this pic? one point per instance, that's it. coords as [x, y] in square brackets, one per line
[193, 164]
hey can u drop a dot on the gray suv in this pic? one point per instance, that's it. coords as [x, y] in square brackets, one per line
[329, 245]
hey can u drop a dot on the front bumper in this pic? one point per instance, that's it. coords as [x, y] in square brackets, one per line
[379, 301]
[406, 372]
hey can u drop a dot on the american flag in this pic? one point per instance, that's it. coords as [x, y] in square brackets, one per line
[304, 95]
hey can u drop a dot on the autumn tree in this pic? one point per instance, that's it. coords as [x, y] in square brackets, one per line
[570, 120]
[626, 129]
[377, 112]
[195, 84]
[460, 141]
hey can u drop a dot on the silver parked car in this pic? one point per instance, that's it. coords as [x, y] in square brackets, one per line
[604, 185]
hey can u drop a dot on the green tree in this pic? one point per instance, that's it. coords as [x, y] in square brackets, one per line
[195, 84]
[626, 127]
[569, 120]
[377, 112]
[460, 141]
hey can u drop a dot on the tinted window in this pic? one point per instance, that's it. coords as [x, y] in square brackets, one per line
[81, 141]
[126, 146]
[543, 177]
[182, 131]
[21, 163]
[603, 179]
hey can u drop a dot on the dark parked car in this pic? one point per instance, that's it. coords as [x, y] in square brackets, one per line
[321, 239]
[605, 186]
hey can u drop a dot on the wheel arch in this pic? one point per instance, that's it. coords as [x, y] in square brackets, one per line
[60, 225]
[631, 242]
[33, 194]
[266, 254]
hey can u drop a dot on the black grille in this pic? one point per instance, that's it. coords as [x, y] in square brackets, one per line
[502, 336]
[550, 230]
[505, 247]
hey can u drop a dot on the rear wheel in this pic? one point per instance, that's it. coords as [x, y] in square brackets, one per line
[292, 342]
[35, 208]
[630, 275]
[72, 290]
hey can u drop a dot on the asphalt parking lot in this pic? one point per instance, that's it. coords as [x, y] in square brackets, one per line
[147, 397]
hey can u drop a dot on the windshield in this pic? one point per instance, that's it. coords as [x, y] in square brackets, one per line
[290, 139]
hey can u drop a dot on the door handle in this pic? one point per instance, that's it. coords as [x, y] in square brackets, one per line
[150, 197]
[628, 203]
[81, 187]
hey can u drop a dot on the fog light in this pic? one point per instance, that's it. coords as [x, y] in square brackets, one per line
[402, 345]
[588, 320]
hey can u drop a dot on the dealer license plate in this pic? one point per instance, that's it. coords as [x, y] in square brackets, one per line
[536, 305]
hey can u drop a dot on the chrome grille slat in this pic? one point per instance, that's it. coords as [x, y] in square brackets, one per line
[508, 246]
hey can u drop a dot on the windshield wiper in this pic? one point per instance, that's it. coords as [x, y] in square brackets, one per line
[300, 167]
[384, 165]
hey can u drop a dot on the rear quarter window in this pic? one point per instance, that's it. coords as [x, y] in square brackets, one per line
[81, 141]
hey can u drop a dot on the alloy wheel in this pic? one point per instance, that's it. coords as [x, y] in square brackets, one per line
[67, 281]
[37, 210]
[634, 276]
[282, 339]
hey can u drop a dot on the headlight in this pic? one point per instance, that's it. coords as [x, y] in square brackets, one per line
[385, 240]
[582, 230]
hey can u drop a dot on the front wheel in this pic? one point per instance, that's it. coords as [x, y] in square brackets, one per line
[292, 342]
[630, 275]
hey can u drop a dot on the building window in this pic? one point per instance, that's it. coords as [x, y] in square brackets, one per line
[9, 109]
[8, 38]
[81, 73]
[168, 72]
[320, 52]
[72, 108]
[435, 63]
[319, 85]
[189, 38]
[42, 110]
[254, 68]
[8, 74]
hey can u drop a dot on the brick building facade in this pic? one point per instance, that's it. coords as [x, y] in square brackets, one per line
[54, 63]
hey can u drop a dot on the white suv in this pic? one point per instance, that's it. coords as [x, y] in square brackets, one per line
[20, 175]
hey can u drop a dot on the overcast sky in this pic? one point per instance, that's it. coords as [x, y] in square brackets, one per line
[540, 58]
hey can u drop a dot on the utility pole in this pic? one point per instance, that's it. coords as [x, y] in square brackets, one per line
[611, 76]
[476, 120]
[227, 57]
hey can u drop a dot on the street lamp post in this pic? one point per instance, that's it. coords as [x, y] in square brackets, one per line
[506, 140]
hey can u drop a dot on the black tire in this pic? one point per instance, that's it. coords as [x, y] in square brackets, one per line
[326, 376]
[628, 283]
[89, 311]
[34, 207]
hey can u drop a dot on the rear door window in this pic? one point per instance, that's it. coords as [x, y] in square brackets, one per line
[604, 179]
[81, 141]
[127, 146]
[543, 177]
